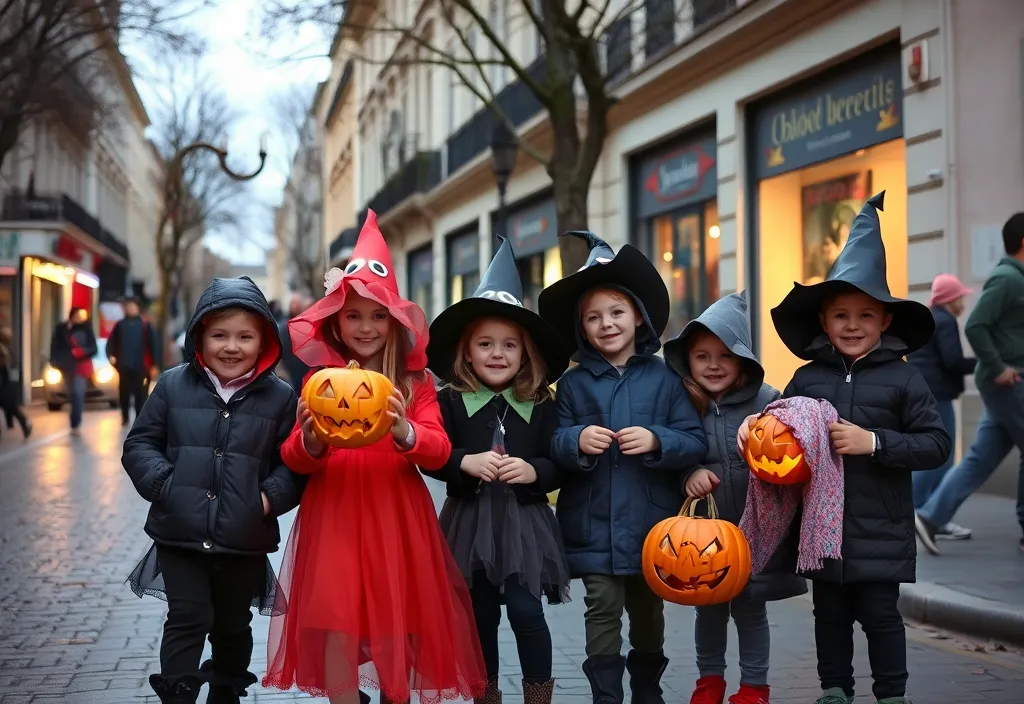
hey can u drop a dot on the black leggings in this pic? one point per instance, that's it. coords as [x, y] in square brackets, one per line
[525, 615]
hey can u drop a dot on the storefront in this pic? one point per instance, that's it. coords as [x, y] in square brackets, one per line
[463, 261]
[674, 189]
[818, 152]
[420, 268]
[533, 232]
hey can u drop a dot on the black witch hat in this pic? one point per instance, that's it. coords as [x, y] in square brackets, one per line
[860, 267]
[499, 295]
[628, 268]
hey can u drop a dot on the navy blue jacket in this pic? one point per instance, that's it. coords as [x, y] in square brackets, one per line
[942, 362]
[608, 504]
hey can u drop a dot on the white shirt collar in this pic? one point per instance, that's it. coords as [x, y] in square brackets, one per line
[226, 391]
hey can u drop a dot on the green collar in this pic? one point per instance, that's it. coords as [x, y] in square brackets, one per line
[475, 400]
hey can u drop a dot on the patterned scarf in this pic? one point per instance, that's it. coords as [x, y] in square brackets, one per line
[770, 508]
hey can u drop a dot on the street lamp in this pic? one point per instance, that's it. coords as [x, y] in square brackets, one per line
[503, 162]
[176, 161]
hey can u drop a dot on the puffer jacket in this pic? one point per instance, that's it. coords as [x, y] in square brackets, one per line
[727, 320]
[942, 362]
[883, 394]
[203, 462]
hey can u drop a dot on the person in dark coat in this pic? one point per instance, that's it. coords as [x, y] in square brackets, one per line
[205, 452]
[132, 349]
[854, 333]
[627, 431]
[72, 347]
[497, 360]
[294, 367]
[725, 381]
[943, 365]
[10, 386]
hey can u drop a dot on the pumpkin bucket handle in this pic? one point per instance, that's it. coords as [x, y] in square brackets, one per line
[689, 508]
[353, 364]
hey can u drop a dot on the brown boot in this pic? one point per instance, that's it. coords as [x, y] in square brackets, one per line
[492, 695]
[538, 693]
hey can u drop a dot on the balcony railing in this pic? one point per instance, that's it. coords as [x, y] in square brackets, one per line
[60, 208]
[418, 174]
[346, 239]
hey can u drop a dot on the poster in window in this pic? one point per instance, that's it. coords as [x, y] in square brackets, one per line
[828, 210]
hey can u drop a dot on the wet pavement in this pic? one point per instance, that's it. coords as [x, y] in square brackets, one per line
[71, 631]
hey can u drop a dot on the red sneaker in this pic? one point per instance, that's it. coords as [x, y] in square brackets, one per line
[750, 694]
[709, 690]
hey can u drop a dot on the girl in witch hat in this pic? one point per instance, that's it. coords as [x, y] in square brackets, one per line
[497, 360]
[854, 334]
[374, 596]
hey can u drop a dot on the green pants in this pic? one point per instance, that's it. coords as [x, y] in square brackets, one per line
[606, 597]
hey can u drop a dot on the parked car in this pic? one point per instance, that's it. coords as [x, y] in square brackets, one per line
[102, 387]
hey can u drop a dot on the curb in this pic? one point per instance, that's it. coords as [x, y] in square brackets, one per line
[947, 608]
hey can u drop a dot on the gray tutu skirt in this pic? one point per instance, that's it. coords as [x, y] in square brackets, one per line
[500, 537]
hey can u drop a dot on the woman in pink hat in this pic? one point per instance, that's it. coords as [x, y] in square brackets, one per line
[943, 365]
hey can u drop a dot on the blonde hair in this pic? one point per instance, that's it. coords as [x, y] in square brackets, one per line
[392, 364]
[528, 384]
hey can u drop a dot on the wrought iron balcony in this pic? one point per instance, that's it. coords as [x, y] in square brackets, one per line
[345, 240]
[418, 174]
[60, 208]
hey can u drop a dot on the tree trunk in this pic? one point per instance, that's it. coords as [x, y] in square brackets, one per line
[571, 207]
[163, 305]
[9, 129]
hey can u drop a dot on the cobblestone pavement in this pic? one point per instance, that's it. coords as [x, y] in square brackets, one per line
[70, 631]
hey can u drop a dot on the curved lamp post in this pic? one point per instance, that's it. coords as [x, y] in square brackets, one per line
[222, 156]
[503, 161]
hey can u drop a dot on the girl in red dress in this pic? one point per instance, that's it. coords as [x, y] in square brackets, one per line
[374, 597]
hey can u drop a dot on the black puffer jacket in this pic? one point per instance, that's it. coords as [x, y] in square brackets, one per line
[881, 393]
[202, 462]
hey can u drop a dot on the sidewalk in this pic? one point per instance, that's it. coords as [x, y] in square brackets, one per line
[975, 586]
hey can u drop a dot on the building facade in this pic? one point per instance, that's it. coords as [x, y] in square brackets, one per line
[334, 111]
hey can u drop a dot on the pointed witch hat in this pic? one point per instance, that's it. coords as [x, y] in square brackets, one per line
[860, 267]
[499, 295]
[628, 268]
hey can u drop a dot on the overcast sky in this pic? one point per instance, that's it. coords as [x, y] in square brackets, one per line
[237, 61]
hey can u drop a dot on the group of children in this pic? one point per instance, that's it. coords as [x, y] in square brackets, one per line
[376, 592]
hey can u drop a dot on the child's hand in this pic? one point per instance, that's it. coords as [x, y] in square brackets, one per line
[311, 443]
[594, 440]
[266, 504]
[514, 470]
[701, 483]
[850, 439]
[636, 440]
[744, 432]
[483, 466]
[399, 424]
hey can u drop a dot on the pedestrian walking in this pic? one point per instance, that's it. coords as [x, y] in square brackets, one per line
[10, 384]
[627, 431]
[854, 334]
[943, 365]
[205, 452]
[72, 347]
[368, 575]
[133, 350]
[497, 360]
[725, 382]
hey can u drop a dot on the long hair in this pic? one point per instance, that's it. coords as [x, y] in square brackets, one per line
[396, 347]
[698, 396]
[528, 384]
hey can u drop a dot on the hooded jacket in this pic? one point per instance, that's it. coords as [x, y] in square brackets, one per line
[727, 320]
[203, 462]
[609, 503]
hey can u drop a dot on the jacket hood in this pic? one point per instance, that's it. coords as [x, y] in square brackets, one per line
[647, 342]
[727, 320]
[235, 293]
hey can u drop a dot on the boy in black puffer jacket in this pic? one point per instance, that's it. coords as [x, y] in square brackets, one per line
[205, 452]
[855, 334]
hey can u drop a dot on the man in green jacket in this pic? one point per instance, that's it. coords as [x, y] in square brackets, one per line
[995, 330]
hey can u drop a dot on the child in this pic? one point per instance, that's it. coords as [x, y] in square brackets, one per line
[627, 431]
[726, 383]
[855, 334]
[497, 356]
[369, 577]
[205, 452]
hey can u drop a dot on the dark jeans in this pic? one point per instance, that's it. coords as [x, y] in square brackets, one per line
[76, 394]
[873, 606]
[208, 595]
[606, 598]
[132, 386]
[525, 615]
[926, 482]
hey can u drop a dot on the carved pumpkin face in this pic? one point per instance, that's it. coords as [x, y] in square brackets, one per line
[696, 561]
[349, 405]
[774, 454]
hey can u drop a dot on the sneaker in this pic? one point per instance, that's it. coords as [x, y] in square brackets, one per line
[951, 531]
[751, 694]
[925, 533]
[709, 689]
[835, 695]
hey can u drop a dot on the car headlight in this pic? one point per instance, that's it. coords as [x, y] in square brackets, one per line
[104, 375]
[51, 376]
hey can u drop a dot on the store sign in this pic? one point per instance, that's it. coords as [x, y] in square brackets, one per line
[683, 174]
[464, 254]
[533, 229]
[10, 248]
[857, 109]
[66, 248]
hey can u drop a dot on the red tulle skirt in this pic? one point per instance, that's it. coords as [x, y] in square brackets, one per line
[375, 599]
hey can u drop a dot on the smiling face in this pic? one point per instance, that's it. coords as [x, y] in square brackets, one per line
[609, 322]
[363, 327]
[231, 343]
[854, 323]
[712, 365]
[495, 351]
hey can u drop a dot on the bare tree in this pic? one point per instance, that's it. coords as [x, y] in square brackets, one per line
[55, 57]
[571, 83]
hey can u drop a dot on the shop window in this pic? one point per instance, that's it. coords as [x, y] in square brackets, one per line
[463, 266]
[618, 52]
[660, 25]
[537, 272]
[421, 279]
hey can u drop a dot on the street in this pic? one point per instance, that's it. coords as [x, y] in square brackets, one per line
[71, 530]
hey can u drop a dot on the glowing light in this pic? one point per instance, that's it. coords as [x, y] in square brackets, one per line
[714, 232]
[667, 256]
[104, 375]
[52, 376]
[87, 279]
